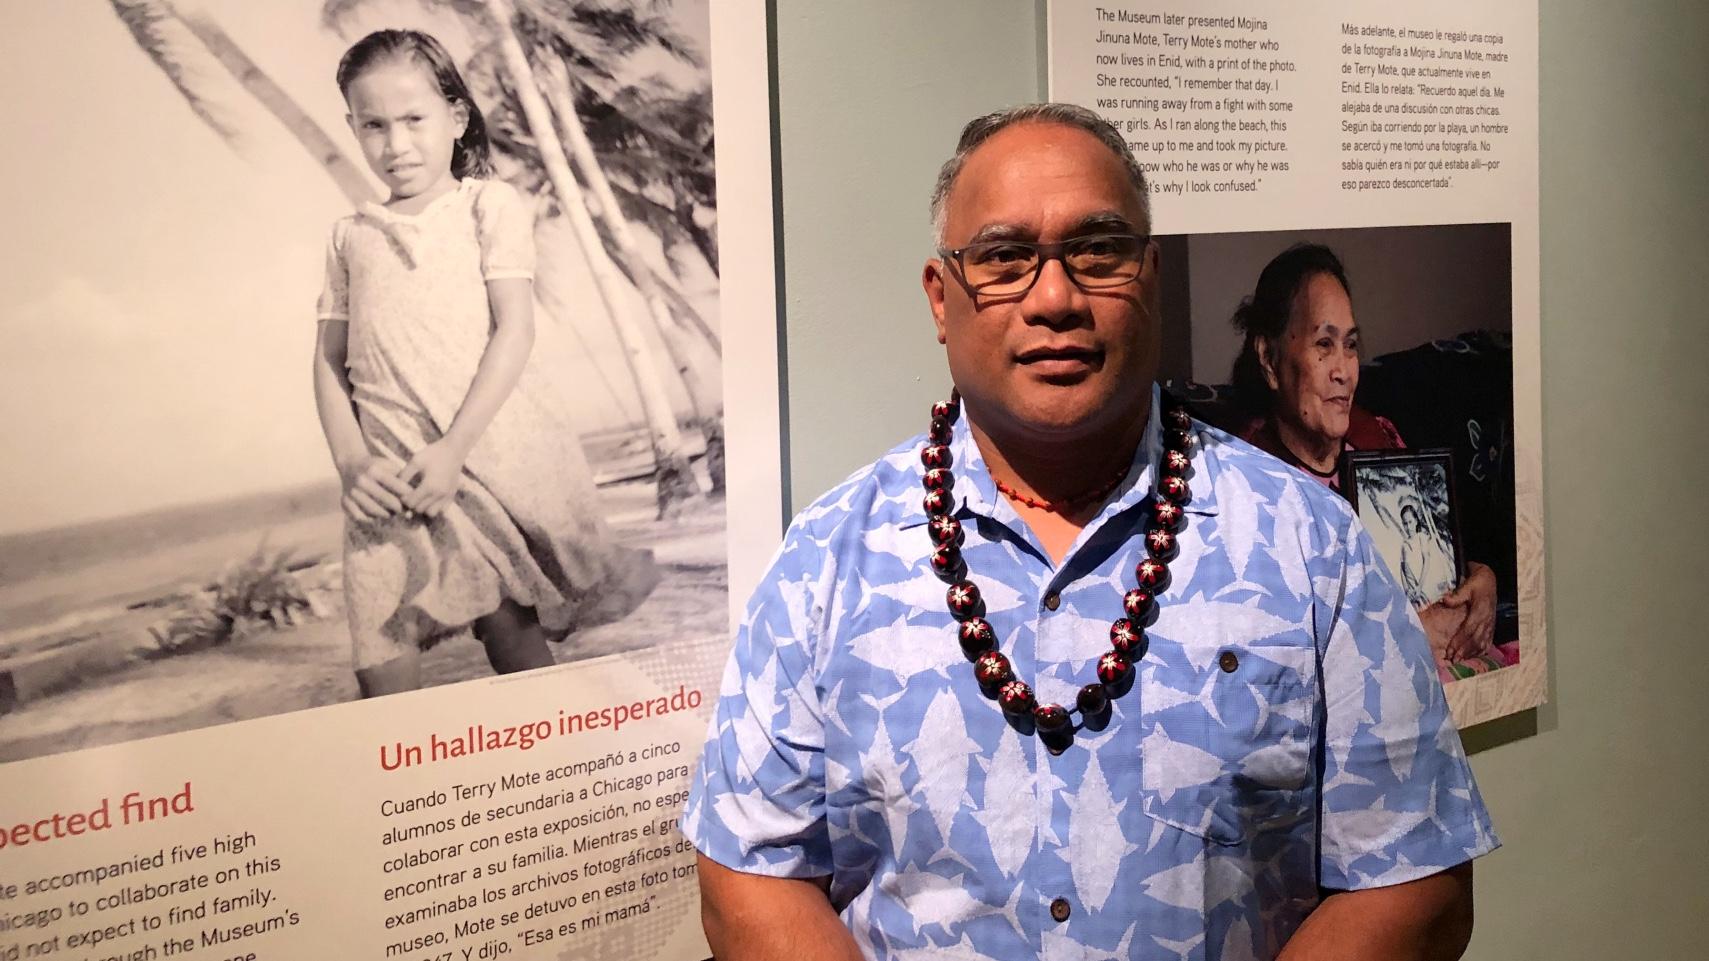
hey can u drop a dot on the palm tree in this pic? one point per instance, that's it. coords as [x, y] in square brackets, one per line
[562, 41]
[174, 39]
[674, 479]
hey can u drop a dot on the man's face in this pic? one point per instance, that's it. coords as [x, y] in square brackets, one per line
[1058, 362]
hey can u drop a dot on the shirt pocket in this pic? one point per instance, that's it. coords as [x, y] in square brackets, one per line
[1227, 748]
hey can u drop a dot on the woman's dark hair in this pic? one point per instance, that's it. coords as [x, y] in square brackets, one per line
[1265, 314]
[471, 156]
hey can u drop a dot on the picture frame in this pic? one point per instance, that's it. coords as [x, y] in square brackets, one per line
[1407, 501]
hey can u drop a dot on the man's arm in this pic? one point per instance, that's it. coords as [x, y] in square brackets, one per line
[1429, 919]
[751, 917]
[1398, 799]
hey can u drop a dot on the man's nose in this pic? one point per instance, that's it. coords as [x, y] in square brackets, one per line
[1055, 298]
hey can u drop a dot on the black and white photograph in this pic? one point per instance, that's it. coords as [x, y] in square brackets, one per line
[1317, 345]
[1406, 502]
[357, 347]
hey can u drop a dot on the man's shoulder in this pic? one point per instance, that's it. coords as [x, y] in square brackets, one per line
[1272, 482]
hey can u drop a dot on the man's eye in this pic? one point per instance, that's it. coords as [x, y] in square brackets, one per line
[1003, 254]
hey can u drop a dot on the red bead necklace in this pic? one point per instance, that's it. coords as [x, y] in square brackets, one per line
[1128, 642]
[1064, 506]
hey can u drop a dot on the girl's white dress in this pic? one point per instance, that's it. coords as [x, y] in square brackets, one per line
[524, 525]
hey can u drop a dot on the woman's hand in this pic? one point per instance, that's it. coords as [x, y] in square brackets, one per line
[436, 472]
[1475, 597]
[373, 491]
[1441, 624]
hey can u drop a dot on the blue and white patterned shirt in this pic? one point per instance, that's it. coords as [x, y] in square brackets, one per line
[852, 741]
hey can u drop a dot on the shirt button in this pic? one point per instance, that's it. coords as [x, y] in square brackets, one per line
[1059, 909]
[1052, 601]
[1228, 662]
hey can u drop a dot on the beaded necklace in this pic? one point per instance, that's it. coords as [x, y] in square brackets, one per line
[1128, 643]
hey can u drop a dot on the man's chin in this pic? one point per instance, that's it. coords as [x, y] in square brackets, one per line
[1063, 411]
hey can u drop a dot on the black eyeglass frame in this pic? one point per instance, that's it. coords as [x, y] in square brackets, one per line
[1046, 253]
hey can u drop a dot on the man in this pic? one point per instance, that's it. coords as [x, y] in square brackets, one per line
[1255, 760]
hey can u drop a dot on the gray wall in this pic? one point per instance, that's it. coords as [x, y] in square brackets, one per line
[1597, 794]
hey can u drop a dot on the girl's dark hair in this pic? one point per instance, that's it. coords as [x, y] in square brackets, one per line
[1265, 314]
[471, 156]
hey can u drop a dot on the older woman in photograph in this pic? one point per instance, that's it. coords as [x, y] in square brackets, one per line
[1297, 374]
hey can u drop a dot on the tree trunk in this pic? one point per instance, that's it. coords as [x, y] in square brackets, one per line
[653, 288]
[262, 87]
[675, 480]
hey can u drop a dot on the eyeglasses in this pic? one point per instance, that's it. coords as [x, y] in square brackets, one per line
[1009, 268]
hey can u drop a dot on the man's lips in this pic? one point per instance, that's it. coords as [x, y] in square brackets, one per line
[1038, 355]
[1061, 361]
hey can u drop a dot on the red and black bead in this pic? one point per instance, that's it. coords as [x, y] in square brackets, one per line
[1160, 543]
[1127, 638]
[1016, 698]
[1050, 717]
[1166, 515]
[945, 530]
[1152, 574]
[939, 502]
[963, 598]
[946, 561]
[1112, 667]
[1174, 490]
[976, 636]
[1176, 463]
[1138, 603]
[1124, 636]
[1092, 700]
[992, 669]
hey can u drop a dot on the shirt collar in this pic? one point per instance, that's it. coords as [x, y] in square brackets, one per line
[976, 492]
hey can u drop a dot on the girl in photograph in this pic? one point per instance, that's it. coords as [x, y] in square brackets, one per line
[466, 494]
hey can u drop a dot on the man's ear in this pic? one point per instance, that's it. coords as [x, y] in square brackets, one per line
[1267, 361]
[932, 279]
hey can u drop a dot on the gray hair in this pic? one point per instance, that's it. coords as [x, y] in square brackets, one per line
[984, 128]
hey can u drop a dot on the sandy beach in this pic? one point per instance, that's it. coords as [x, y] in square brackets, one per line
[76, 635]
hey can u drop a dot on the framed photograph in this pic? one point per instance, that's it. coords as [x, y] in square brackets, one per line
[1406, 500]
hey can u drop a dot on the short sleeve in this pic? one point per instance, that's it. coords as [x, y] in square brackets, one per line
[757, 802]
[334, 302]
[1399, 801]
[506, 229]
